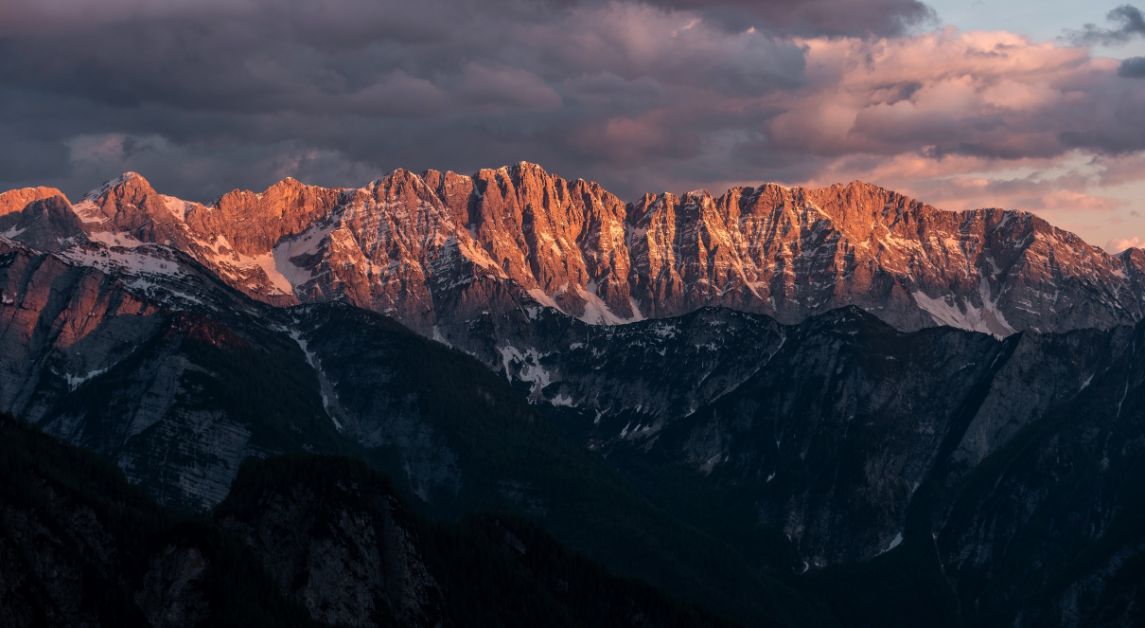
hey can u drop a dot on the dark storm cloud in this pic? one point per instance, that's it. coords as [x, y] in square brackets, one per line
[352, 86]
[1134, 67]
[205, 95]
[815, 17]
[1128, 23]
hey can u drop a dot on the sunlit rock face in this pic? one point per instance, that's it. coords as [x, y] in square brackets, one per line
[434, 249]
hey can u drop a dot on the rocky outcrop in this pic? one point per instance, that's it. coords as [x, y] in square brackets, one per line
[14, 201]
[339, 542]
[81, 547]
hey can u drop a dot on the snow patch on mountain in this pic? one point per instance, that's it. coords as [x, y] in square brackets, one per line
[163, 291]
[544, 299]
[596, 311]
[111, 238]
[287, 251]
[325, 387]
[87, 211]
[946, 310]
[239, 268]
[177, 207]
[269, 267]
[525, 366]
[152, 260]
[895, 542]
[562, 401]
[75, 381]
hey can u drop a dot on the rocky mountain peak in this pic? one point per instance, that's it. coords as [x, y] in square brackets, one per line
[254, 222]
[1133, 257]
[402, 182]
[129, 207]
[46, 224]
[14, 201]
[129, 187]
[862, 209]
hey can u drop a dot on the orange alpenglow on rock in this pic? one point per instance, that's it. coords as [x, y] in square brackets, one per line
[440, 247]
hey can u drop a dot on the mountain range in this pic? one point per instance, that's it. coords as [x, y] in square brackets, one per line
[435, 248]
[787, 406]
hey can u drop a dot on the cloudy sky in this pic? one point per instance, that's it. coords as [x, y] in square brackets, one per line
[1036, 104]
